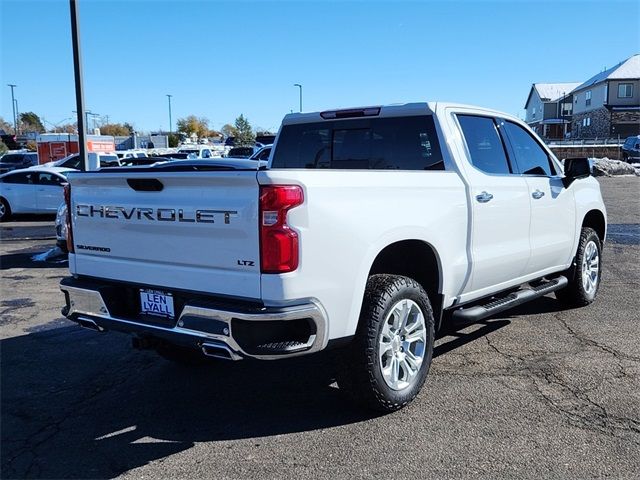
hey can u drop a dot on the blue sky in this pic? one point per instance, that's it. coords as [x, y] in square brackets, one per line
[220, 59]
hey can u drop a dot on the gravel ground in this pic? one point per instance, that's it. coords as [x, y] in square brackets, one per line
[537, 392]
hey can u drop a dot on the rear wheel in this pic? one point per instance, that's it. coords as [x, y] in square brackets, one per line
[387, 363]
[5, 210]
[585, 281]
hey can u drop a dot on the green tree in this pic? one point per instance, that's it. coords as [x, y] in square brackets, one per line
[6, 126]
[192, 124]
[3, 148]
[229, 130]
[174, 140]
[244, 132]
[30, 122]
[68, 128]
[116, 129]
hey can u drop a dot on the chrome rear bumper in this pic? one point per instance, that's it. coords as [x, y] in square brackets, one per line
[207, 328]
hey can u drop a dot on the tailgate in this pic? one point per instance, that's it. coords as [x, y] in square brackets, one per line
[195, 231]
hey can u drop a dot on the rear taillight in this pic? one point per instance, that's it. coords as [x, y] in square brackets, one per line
[278, 241]
[67, 201]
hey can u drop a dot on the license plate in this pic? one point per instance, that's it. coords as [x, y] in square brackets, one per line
[154, 302]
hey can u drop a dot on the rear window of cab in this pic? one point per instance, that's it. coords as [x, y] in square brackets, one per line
[391, 143]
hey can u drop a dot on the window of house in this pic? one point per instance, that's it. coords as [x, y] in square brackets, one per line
[534, 113]
[484, 144]
[587, 96]
[625, 90]
[588, 121]
[529, 155]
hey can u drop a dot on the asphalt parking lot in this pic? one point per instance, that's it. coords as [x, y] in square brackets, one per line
[535, 392]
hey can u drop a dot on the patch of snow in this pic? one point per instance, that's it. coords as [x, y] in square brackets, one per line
[54, 255]
[605, 167]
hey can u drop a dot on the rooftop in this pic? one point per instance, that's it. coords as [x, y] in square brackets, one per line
[627, 69]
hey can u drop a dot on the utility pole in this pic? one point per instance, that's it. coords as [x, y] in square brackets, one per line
[93, 117]
[170, 123]
[300, 87]
[87, 113]
[13, 106]
[77, 71]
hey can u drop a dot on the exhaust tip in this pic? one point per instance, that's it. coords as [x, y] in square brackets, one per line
[221, 351]
[90, 324]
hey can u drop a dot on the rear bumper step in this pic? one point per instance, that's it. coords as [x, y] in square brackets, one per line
[266, 334]
[478, 312]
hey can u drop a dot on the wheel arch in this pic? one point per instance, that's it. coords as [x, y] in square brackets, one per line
[595, 219]
[418, 260]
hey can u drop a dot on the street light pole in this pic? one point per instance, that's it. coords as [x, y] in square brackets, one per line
[170, 123]
[13, 106]
[15, 101]
[300, 87]
[77, 71]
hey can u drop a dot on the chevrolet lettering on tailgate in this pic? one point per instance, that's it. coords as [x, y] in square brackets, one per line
[155, 214]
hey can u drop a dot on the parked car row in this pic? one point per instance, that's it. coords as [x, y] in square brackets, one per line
[38, 189]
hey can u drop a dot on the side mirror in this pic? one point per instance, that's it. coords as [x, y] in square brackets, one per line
[575, 168]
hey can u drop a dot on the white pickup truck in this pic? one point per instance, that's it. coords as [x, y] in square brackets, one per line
[366, 230]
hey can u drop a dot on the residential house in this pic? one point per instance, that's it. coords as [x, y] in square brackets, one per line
[608, 104]
[549, 109]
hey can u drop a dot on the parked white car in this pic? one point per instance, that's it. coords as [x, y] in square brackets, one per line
[32, 190]
[73, 161]
[197, 151]
[123, 154]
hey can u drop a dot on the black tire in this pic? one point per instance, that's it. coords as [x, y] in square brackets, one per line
[575, 294]
[5, 210]
[183, 355]
[359, 369]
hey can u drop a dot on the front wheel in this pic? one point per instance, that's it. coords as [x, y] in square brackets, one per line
[387, 363]
[585, 281]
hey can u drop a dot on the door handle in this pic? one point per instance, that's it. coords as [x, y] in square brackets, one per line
[484, 197]
[537, 194]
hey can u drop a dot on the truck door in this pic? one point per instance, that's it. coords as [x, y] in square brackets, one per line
[500, 208]
[553, 209]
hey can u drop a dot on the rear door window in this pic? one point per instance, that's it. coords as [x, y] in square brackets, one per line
[394, 143]
[12, 158]
[485, 146]
[50, 179]
[22, 178]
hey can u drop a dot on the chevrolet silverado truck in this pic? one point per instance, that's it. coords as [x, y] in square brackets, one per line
[366, 230]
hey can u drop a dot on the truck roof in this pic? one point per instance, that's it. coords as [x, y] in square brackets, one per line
[391, 110]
